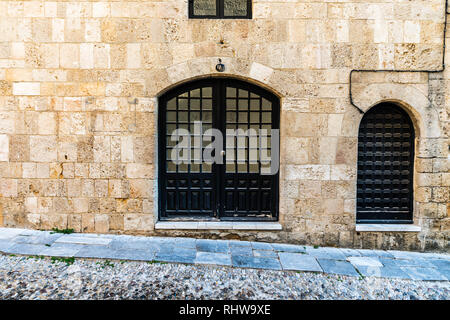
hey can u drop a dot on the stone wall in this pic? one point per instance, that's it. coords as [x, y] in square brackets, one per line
[79, 83]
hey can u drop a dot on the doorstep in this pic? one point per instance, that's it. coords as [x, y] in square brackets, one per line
[387, 228]
[215, 225]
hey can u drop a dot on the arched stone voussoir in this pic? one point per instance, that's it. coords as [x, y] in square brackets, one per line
[415, 102]
[205, 67]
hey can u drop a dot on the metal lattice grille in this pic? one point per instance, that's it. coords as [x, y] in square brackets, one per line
[385, 166]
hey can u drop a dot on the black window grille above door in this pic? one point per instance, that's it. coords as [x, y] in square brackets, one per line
[235, 189]
[385, 166]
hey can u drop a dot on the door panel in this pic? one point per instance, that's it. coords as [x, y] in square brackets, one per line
[232, 190]
[186, 189]
[247, 193]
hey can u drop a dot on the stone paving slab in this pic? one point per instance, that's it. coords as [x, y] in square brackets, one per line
[365, 261]
[212, 246]
[255, 262]
[44, 238]
[77, 239]
[288, 247]
[338, 267]
[109, 253]
[26, 249]
[265, 254]
[326, 253]
[417, 273]
[261, 246]
[422, 263]
[298, 262]
[213, 258]
[243, 254]
[9, 233]
[176, 254]
[383, 272]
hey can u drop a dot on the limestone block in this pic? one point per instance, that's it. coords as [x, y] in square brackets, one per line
[4, 147]
[43, 148]
[327, 150]
[86, 55]
[47, 123]
[101, 188]
[136, 222]
[307, 172]
[297, 150]
[92, 31]
[58, 30]
[102, 148]
[138, 170]
[26, 88]
[101, 222]
[8, 187]
[127, 149]
[343, 172]
[74, 222]
[31, 204]
[19, 148]
[100, 9]
[102, 56]
[42, 170]
[69, 55]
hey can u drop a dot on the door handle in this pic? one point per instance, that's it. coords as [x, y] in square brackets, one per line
[222, 153]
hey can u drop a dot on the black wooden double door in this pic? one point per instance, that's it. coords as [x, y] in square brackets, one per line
[236, 189]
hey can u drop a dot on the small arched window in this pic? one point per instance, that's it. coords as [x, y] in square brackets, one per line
[385, 166]
[220, 9]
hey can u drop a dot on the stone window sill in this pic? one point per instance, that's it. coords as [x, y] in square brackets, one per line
[387, 228]
[225, 225]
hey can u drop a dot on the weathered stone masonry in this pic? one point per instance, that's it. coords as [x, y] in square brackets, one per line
[79, 83]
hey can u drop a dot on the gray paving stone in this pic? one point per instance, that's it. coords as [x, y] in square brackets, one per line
[383, 272]
[25, 249]
[265, 254]
[5, 244]
[213, 246]
[350, 252]
[42, 238]
[326, 253]
[176, 254]
[186, 242]
[9, 233]
[241, 251]
[298, 262]
[417, 273]
[338, 267]
[375, 253]
[423, 263]
[141, 244]
[405, 254]
[62, 250]
[440, 264]
[365, 261]
[288, 247]
[213, 258]
[109, 253]
[255, 262]
[237, 243]
[261, 246]
[82, 239]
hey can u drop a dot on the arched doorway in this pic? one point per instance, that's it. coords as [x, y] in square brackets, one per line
[235, 189]
[385, 166]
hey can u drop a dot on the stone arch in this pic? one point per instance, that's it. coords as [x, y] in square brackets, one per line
[424, 116]
[174, 75]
